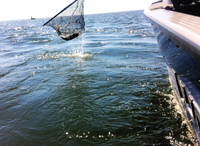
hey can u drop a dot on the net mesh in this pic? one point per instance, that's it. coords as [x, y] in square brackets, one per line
[69, 23]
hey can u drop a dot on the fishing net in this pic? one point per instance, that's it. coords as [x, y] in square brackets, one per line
[69, 23]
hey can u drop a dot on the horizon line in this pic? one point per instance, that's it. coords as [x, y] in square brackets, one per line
[84, 14]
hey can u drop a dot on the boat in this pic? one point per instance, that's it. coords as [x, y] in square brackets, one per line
[32, 18]
[177, 29]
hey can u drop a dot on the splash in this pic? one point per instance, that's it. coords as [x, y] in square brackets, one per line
[79, 54]
[75, 51]
[75, 54]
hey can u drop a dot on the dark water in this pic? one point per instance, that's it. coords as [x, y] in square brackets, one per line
[108, 87]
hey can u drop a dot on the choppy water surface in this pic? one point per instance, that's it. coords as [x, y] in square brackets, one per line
[108, 87]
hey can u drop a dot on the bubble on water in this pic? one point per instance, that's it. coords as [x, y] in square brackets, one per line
[73, 86]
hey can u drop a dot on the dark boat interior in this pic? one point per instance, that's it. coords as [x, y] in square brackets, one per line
[191, 7]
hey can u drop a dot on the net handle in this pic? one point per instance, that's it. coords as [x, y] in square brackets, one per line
[60, 12]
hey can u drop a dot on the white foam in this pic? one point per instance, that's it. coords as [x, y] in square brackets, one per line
[76, 54]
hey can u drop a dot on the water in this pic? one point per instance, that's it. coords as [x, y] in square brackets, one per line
[108, 87]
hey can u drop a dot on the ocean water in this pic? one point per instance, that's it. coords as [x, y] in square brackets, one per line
[107, 87]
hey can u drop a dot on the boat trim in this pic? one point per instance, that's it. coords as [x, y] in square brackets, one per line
[182, 29]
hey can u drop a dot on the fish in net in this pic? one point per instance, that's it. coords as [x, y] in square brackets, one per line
[69, 23]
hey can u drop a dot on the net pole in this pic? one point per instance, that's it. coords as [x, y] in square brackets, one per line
[60, 12]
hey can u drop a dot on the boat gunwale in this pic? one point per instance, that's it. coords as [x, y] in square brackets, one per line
[184, 37]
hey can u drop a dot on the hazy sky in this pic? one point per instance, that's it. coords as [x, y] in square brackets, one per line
[24, 9]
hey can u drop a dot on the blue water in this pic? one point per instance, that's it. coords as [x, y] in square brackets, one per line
[107, 87]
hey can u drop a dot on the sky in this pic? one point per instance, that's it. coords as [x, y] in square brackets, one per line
[24, 9]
